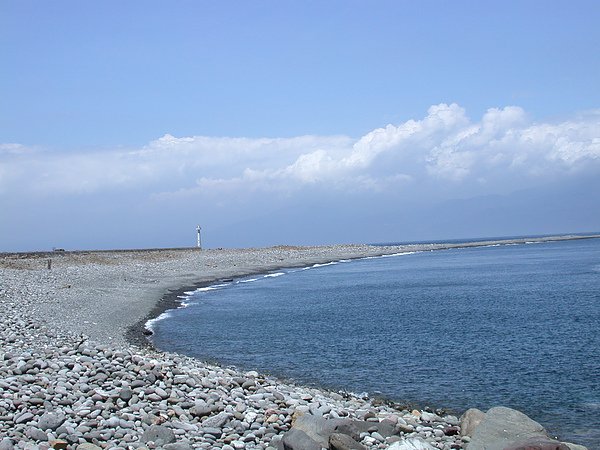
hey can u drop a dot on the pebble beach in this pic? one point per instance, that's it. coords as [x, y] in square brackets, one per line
[77, 372]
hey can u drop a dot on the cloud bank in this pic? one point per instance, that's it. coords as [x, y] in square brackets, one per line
[445, 147]
[444, 155]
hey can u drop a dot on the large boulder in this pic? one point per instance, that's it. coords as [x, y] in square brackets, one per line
[505, 428]
[318, 428]
[575, 446]
[538, 444]
[470, 420]
[354, 428]
[295, 439]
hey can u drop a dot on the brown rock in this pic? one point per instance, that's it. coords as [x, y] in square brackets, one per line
[59, 444]
[451, 431]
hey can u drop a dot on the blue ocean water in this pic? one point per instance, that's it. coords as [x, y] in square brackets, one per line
[514, 325]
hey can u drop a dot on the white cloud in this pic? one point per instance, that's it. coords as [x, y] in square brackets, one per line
[13, 149]
[445, 147]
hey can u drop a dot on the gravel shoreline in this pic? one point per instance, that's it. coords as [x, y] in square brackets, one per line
[76, 370]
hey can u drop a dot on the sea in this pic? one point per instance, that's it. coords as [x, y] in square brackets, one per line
[511, 325]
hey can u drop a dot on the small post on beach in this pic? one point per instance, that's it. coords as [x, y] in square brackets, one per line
[199, 240]
[49, 264]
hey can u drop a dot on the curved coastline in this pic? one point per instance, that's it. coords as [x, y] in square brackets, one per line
[136, 334]
[89, 312]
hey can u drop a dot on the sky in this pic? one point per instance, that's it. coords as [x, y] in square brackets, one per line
[126, 124]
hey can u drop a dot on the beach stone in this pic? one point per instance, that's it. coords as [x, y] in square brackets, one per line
[402, 428]
[216, 421]
[296, 439]
[126, 394]
[430, 417]
[158, 434]
[200, 411]
[36, 434]
[503, 427]
[184, 426]
[6, 444]
[377, 436]
[413, 443]
[161, 393]
[59, 444]
[178, 446]
[240, 407]
[393, 439]
[51, 420]
[470, 420]
[88, 446]
[339, 441]
[248, 384]
[24, 418]
[216, 432]
[112, 422]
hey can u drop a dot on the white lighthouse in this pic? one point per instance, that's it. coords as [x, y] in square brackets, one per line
[199, 239]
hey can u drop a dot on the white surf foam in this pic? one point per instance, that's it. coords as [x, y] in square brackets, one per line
[184, 303]
[397, 254]
[332, 263]
[206, 289]
[250, 280]
[273, 275]
[390, 255]
[150, 324]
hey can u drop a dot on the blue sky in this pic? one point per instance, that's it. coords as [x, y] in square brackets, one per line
[123, 124]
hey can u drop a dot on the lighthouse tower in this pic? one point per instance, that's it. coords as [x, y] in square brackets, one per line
[199, 239]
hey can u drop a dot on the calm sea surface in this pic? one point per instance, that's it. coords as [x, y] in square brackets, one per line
[515, 325]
